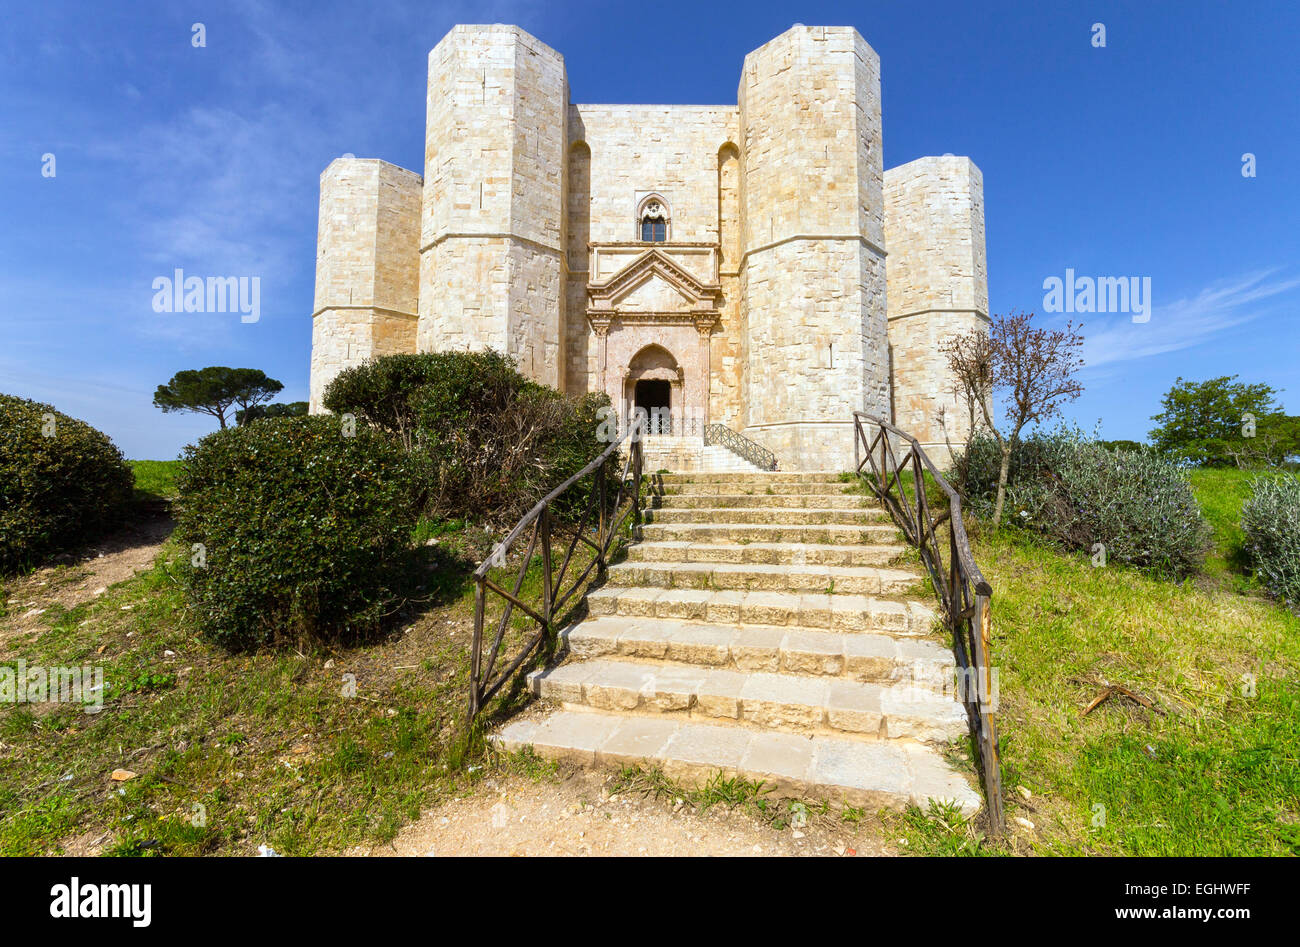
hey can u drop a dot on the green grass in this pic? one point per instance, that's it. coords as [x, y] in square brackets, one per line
[735, 792]
[1212, 770]
[234, 751]
[1222, 492]
[155, 479]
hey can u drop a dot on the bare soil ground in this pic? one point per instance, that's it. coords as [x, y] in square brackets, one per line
[76, 578]
[577, 815]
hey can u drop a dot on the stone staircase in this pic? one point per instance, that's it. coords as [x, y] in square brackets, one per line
[762, 627]
[690, 453]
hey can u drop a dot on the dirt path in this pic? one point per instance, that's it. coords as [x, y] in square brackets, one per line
[577, 816]
[79, 578]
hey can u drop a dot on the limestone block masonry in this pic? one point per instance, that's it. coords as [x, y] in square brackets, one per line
[938, 288]
[751, 265]
[367, 267]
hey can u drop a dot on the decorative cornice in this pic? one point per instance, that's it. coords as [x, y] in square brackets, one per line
[921, 312]
[703, 320]
[491, 235]
[387, 312]
[744, 259]
[662, 244]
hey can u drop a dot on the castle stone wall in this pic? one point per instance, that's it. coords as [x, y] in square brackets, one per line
[493, 205]
[938, 288]
[367, 267]
[787, 317]
[813, 274]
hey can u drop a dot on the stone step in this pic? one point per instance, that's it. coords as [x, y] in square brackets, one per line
[789, 702]
[743, 533]
[804, 516]
[680, 550]
[847, 613]
[728, 476]
[693, 501]
[866, 774]
[860, 656]
[836, 580]
[776, 488]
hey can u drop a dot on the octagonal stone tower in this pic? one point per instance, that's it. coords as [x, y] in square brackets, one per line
[492, 221]
[367, 267]
[938, 289]
[813, 274]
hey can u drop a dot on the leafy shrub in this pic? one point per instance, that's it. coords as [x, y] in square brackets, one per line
[496, 466]
[55, 490]
[1271, 521]
[1078, 492]
[490, 442]
[386, 391]
[306, 533]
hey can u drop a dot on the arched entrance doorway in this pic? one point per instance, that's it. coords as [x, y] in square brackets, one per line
[653, 384]
[655, 398]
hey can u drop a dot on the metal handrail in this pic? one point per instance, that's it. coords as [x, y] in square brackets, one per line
[609, 521]
[962, 588]
[740, 445]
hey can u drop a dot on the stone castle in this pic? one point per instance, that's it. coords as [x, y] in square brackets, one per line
[750, 265]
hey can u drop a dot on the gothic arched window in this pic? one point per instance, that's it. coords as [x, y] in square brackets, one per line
[654, 221]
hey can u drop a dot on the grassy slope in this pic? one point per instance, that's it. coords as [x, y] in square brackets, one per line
[269, 746]
[155, 479]
[1213, 770]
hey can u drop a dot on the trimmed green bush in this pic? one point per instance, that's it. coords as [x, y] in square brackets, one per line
[1271, 522]
[305, 532]
[1077, 492]
[386, 392]
[491, 443]
[61, 482]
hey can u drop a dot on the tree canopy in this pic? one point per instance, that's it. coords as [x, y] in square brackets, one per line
[1033, 370]
[215, 390]
[277, 409]
[1224, 422]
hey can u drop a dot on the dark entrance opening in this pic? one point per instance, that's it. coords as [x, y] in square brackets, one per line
[656, 399]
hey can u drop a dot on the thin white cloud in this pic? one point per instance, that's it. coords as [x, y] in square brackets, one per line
[1215, 310]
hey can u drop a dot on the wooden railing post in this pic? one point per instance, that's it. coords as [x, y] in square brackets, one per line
[600, 530]
[981, 622]
[547, 591]
[637, 461]
[476, 652]
[959, 584]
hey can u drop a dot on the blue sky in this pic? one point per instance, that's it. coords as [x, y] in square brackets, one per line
[1122, 161]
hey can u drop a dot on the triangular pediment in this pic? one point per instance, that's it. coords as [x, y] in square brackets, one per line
[653, 280]
[652, 292]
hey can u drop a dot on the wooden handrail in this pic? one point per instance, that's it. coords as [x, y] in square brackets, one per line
[962, 589]
[484, 685]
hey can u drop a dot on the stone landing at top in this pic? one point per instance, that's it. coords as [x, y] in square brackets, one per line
[690, 455]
